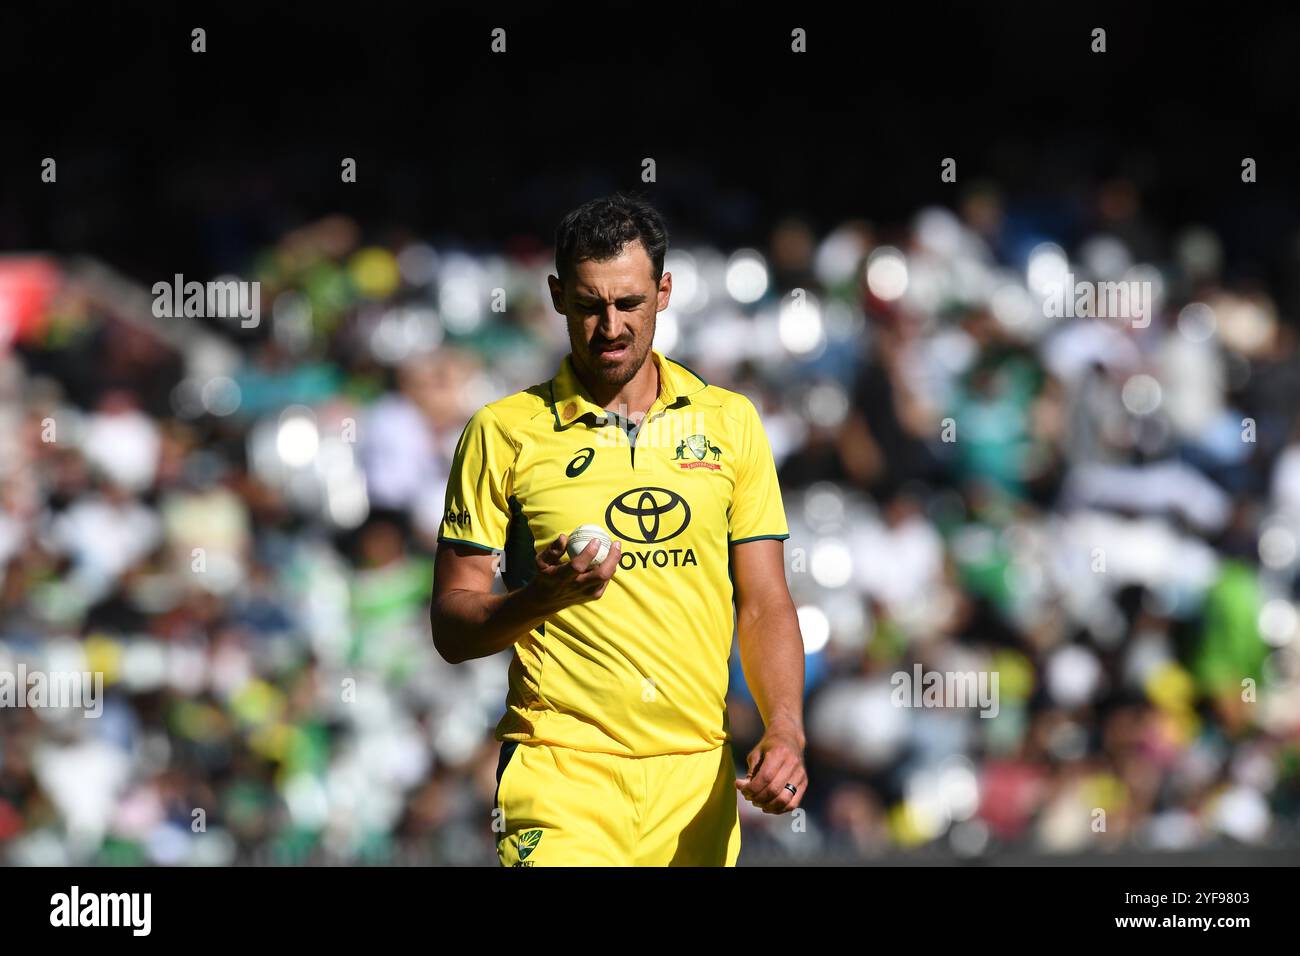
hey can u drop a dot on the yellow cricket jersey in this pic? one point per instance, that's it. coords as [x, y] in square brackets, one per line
[641, 670]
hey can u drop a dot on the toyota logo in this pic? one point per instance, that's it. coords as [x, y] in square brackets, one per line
[660, 514]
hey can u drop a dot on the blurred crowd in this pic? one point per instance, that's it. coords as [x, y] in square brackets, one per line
[235, 527]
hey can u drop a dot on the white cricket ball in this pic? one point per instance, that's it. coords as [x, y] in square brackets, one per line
[583, 535]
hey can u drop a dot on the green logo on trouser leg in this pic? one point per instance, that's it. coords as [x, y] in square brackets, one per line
[528, 841]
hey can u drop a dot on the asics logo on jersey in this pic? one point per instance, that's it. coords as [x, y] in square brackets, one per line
[581, 459]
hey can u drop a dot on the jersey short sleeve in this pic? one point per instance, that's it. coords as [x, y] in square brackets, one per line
[756, 509]
[478, 489]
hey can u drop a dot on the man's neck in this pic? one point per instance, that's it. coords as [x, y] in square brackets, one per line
[633, 398]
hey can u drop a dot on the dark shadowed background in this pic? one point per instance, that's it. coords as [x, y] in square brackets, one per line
[307, 457]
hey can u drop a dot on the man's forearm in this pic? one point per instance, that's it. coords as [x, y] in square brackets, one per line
[771, 654]
[471, 624]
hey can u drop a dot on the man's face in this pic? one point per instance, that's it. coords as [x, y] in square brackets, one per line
[611, 307]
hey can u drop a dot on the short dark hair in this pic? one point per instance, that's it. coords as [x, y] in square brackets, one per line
[600, 228]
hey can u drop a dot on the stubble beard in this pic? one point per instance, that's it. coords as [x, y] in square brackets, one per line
[616, 376]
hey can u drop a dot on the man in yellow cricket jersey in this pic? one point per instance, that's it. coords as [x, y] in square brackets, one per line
[615, 740]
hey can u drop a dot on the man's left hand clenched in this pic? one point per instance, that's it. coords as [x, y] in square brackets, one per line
[777, 780]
